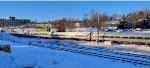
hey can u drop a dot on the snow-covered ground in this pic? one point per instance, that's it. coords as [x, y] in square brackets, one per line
[35, 57]
[23, 55]
[131, 48]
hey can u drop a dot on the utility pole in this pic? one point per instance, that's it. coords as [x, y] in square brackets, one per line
[98, 27]
[35, 20]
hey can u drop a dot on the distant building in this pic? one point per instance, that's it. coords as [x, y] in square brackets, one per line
[41, 25]
[111, 23]
[77, 25]
[12, 21]
[53, 30]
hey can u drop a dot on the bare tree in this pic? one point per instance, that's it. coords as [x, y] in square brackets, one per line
[135, 17]
[86, 21]
[114, 17]
[71, 24]
[92, 23]
[97, 21]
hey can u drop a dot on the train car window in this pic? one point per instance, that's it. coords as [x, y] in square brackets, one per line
[111, 36]
[147, 37]
[117, 37]
[125, 37]
[139, 37]
[132, 37]
[106, 36]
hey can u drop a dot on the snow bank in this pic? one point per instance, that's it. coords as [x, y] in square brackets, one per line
[25, 61]
[6, 60]
[23, 55]
[36, 57]
[11, 38]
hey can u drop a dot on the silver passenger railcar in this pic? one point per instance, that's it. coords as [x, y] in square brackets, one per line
[125, 37]
[72, 35]
[128, 37]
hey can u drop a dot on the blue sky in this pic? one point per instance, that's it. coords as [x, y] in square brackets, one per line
[51, 10]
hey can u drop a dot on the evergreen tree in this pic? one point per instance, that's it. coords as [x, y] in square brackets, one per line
[146, 22]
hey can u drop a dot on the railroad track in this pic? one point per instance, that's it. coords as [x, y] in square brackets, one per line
[90, 52]
[102, 49]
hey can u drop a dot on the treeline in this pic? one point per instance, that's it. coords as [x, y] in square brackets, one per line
[138, 19]
[64, 23]
[98, 20]
[91, 19]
